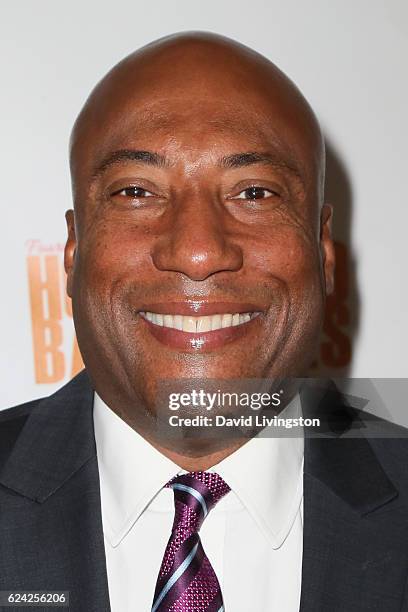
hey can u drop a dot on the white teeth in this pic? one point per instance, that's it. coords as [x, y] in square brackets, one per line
[204, 324]
[198, 324]
[226, 320]
[178, 322]
[189, 324]
[158, 319]
[168, 320]
[243, 318]
[216, 322]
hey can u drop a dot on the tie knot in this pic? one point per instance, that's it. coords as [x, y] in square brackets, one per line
[195, 494]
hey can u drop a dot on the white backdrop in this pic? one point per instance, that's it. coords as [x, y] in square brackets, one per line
[350, 60]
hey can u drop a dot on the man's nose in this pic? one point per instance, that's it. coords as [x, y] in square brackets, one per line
[195, 242]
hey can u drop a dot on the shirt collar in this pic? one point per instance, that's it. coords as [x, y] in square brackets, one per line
[131, 471]
[266, 474]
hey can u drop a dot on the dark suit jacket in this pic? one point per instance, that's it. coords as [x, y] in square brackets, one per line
[355, 555]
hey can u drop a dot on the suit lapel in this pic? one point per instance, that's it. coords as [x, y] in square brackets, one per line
[55, 511]
[350, 548]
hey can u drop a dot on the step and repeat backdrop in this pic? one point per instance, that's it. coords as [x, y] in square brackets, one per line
[349, 59]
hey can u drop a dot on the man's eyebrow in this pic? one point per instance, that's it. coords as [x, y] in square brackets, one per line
[240, 160]
[146, 157]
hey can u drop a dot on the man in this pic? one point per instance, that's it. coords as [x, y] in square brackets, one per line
[200, 248]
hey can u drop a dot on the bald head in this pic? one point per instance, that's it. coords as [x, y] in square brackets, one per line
[207, 81]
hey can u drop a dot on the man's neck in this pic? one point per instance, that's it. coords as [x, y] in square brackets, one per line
[198, 463]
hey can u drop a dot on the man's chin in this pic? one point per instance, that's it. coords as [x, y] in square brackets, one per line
[198, 447]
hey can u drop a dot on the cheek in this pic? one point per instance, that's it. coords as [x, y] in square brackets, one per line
[290, 256]
[111, 257]
[112, 252]
[288, 253]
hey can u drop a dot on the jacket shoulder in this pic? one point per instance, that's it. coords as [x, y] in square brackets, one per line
[12, 421]
[17, 412]
[390, 444]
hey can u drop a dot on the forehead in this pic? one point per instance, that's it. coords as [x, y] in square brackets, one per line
[196, 119]
[195, 135]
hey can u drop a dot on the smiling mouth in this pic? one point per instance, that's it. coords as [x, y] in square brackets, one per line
[198, 325]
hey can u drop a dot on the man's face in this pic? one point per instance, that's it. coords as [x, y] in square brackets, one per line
[199, 250]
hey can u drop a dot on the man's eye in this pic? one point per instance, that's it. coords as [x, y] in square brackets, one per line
[133, 192]
[255, 193]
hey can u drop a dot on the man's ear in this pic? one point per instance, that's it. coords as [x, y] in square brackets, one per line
[327, 247]
[70, 248]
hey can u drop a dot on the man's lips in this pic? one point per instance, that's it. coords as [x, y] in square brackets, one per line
[199, 325]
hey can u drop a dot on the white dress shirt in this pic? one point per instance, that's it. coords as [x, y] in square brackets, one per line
[253, 537]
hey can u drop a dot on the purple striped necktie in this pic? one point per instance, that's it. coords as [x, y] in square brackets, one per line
[187, 581]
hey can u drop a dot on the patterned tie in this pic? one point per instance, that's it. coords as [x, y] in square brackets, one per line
[187, 581]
